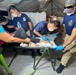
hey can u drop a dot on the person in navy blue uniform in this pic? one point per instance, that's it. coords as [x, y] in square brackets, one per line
[20, 19]
[69, 45]
[8, 25]
[44, 27]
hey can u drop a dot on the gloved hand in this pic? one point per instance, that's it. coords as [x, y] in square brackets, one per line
[45, 38]
[59, 48]
[31, 33]
[55, 34]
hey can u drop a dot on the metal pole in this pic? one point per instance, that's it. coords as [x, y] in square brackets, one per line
[51, 7]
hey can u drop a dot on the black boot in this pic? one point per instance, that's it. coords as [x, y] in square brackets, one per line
[60, 68]
[58, 58]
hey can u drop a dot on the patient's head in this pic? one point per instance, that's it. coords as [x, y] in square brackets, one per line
[3, 20]
[53, 25]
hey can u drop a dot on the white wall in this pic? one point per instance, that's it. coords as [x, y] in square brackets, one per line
[36, 17]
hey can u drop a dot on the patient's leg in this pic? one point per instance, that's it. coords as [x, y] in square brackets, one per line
[35, 40]
[43, 41]
[20, 33]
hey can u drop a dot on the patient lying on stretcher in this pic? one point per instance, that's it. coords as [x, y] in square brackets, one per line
[41, 43]
[36, 42]
[20, 36]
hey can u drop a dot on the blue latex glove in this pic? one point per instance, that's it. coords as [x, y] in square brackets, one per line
[55, 34]
[48, 40]
[45, 38]
[59, 48]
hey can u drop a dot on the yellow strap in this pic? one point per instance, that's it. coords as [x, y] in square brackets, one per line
[68, 5]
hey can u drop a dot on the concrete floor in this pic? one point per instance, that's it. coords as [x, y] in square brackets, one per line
[23, 65]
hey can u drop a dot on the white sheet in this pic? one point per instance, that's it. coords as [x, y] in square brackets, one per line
[53, 45]
[50, 45]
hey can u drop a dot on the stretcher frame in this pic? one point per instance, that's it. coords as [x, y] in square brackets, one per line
[35, 64]
[44, 50]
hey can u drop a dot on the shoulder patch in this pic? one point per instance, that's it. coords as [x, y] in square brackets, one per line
[70, 23]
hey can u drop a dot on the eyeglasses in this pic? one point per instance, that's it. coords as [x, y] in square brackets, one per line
[68, 7]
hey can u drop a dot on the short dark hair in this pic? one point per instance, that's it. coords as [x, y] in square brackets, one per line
[13, 7]
[56, 23]
[2, 19]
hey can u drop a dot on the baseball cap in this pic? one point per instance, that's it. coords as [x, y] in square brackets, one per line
[69, 4]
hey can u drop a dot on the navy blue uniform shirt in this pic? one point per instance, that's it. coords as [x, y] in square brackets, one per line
[10, 22]
[70, 23]
[41, 27]
[22, 21]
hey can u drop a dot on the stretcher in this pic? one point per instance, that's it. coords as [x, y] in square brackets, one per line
[43, 51]
[35, 64]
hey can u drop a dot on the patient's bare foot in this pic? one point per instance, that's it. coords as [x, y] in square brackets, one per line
[32, 44]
